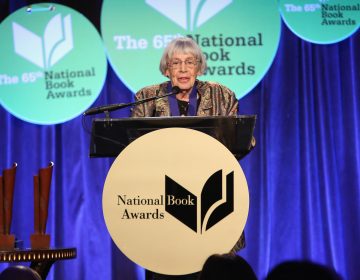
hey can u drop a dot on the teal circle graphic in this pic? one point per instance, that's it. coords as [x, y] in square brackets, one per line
[240, 38]
[52, 63]
[321, 21]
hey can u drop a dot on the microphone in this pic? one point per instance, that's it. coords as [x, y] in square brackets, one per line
[101, 109]
[113, 107]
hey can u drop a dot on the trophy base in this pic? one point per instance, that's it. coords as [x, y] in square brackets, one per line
[40, 241]
[7, 242]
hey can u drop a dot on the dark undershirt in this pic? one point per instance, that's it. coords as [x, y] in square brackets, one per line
[183, 107]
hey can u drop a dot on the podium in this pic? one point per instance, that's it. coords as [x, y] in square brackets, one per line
[184, 189]
[110, 136]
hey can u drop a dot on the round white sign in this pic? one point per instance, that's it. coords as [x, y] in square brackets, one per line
[172, 198]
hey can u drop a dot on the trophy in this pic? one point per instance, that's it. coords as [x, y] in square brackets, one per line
[7, 183]
[42, 181]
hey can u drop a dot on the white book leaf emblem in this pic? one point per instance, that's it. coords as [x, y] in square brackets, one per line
[47, 51]
[189, 14]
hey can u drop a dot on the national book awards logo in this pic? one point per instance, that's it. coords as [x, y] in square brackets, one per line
[239, 38]
[46, 76]
[321, 21]
[172, 198]
[183, 205]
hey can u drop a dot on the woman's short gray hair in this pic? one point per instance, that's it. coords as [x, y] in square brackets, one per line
[182, 45]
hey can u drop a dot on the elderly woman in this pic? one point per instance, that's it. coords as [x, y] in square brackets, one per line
[182, 62]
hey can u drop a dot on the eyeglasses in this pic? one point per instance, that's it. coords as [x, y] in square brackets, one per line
[189, 63]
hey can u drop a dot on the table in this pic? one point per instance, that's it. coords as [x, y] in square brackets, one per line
[41, 259]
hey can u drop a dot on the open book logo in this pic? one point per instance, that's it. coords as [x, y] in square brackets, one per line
[47, 51]
[189, 14]
[183, 205]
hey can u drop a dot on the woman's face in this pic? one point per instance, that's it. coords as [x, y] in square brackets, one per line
[182, 71]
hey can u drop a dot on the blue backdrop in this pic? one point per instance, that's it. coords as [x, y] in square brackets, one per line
[303, 175]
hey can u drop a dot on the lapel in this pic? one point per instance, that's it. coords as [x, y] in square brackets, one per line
[162, 105]
[204, 93]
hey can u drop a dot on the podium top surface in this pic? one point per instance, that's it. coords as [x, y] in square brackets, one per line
[110, 136]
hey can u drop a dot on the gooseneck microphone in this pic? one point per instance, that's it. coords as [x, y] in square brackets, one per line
[113, 107]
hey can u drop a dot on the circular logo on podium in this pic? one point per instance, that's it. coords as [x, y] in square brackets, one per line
[172, 198]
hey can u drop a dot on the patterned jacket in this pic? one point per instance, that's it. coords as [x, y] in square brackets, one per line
[215, 100]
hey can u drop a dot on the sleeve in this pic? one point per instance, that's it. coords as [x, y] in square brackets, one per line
[233, 104]
[229, 100]
[146, 109]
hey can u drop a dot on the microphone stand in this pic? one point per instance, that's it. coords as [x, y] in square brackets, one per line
[108, 108]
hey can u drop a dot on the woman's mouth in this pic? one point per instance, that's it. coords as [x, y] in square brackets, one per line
[183, 79]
